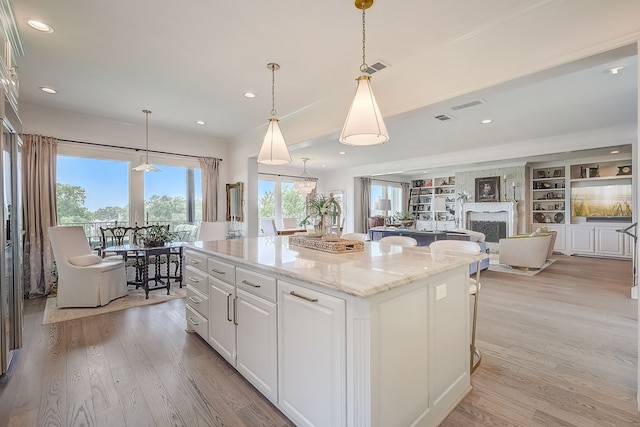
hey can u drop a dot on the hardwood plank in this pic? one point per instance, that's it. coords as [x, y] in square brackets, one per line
[53, 398]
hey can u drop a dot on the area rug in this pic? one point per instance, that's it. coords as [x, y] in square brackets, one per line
[501, 268]
[135, 298]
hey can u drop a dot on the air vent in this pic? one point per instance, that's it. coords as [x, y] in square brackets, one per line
[444, 117]
[468, 104]
[378, 66]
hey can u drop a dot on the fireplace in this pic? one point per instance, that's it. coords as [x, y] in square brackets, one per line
[495, 219]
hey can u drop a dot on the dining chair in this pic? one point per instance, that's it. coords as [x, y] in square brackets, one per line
[165, 258]
[212, 230]
[441, 248]
[356, 236]
[398, 241]
[290, 223]
[84, 278]
[268, 227]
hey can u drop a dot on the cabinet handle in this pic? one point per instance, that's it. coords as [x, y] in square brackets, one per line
[194, 261]
[193, 322]
[246, 282]
[194, 279]
[303, 297]
[217, 271]
[235, 311]
[195, 300]
[228, 311]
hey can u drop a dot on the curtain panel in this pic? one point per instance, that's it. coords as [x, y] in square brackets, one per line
[210, 168]
[39, 157]
[365, 202]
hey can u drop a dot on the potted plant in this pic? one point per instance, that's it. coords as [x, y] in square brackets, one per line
[405, 218]
[324, 213]
[154, 235]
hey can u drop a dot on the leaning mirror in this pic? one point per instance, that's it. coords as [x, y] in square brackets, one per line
[234, 202]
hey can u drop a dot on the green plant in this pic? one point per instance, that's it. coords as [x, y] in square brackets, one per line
[154, 235]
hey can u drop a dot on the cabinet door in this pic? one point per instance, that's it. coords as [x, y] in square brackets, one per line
[582, 239]
[257, 342]
[311, 356]
[609, 241]
[222, 330]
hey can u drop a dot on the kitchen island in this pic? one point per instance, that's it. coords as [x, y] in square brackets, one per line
[372, 338]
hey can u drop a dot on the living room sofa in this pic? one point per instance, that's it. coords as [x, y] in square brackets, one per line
[527, 251]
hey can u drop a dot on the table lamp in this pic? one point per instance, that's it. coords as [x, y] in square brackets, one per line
[385, 206]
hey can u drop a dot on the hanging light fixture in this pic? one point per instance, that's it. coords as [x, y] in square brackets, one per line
[146, 166]
[274, 150]
[364, 124]
[306, 184]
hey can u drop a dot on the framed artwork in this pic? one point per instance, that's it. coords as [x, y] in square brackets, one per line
[488, 189]
[542, 174]
[557, 173]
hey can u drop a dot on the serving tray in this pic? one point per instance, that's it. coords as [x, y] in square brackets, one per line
[340, 246]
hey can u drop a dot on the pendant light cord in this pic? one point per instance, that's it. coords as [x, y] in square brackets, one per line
[364, 65]
[273, 90]
[146, 126]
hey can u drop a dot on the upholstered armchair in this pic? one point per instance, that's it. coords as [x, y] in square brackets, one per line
[527, 251]
[84, 279]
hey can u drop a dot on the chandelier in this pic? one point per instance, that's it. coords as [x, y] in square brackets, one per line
[305, 184]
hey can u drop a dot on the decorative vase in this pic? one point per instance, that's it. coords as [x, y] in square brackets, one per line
[406, 222]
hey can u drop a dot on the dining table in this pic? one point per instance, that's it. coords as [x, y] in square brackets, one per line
[145, 257]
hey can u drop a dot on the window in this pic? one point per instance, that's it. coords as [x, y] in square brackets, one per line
[386, 191]
[278, 199]
[172, 196]
[91, 193]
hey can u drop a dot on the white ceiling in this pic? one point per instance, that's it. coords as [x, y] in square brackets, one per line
[189, 61]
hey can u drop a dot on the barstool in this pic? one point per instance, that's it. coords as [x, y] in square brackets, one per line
[398, 241]
[471, 248]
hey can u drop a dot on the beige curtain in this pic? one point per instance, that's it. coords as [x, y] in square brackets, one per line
[210, 176]
[406, 189]
[39, 201]
[365, 202]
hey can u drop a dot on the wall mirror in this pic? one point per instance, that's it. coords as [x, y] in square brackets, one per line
[234, 201]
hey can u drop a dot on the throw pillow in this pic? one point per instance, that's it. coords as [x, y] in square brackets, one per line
[85, 260]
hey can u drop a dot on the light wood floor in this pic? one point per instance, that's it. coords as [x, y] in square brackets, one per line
[559, 349]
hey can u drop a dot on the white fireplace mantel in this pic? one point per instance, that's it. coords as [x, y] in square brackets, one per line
[510, 208]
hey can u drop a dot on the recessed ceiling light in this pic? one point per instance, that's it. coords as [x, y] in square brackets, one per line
[249, 95]
[486, 121]
[342, 152]
[48, 90]
[324, 166]
[614, 70]
[40, 26]
[615, 152]
[200, 122]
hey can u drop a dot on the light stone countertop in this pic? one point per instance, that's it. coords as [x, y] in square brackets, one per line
[378, 268]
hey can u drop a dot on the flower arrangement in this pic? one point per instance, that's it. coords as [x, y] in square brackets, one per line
[322, 211]
[463, 196]
[154, 235]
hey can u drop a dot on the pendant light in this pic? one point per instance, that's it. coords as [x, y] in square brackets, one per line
[306, 184]
[364, 124]
[274, 150]
[146, 166]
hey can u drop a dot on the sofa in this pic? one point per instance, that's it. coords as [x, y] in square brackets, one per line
[527, 251]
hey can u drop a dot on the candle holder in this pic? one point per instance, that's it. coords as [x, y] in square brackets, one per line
[505, 188]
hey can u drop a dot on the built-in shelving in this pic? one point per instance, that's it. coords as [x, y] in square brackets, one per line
[549, 195]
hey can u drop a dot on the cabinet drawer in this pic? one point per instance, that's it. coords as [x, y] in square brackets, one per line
[198, 301]
[197, 323]
[256, 284]
[222, 270]
[197, 278]
[195, 260]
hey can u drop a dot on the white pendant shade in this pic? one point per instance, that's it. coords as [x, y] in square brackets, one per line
[364, 124]
[146, 167]
[274, 150]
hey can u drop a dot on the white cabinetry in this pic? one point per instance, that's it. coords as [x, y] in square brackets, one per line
[609, 241]
[311, 331]
[222, 330]
[197, 307]
[582, 239]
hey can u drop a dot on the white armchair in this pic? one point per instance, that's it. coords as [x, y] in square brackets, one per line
[84, 279]
[212, 231]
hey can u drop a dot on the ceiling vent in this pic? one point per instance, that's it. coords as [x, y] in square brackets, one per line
[378, 66]
[444, 117]
[468, 104]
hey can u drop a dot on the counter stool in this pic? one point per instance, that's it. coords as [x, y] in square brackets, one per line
[472, 248]
[398, 241]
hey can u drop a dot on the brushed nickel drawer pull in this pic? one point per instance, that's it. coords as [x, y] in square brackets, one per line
[195, 300]
[217, 271]
[246, 282]
[235, 311]
[228, 313]
[193, 322]
[194, 261]
[303, 297]
[194, 279]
